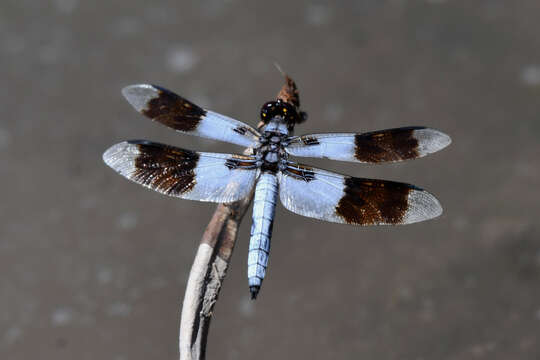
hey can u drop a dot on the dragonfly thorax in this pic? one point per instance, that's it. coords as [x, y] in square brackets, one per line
[271, 155]
[275, 127]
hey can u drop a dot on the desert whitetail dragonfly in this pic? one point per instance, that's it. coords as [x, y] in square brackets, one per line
[302, 189]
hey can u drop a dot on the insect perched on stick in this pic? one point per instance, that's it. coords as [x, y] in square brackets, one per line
[302, 189]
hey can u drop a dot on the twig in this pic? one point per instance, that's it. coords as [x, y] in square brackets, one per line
[207, 274]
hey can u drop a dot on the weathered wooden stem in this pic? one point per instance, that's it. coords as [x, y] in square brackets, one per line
[206, 276]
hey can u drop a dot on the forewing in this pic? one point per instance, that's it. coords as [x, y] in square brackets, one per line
[186, 174]
[344, 199]
[374, 147]
[171, 110]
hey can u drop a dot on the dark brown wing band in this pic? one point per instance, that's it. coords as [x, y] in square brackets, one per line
[387, 145]
[173, 111]
[164, 168]
[368, 202]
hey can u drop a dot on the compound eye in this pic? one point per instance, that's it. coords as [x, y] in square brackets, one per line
[288, 110]
[267, 110]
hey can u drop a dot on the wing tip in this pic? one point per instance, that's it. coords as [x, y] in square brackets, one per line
[422, 206]
[443, 139]
[113, 155]
[138, 95]
[431, 140]
[110, 153]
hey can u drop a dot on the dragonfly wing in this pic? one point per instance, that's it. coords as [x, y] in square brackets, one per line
[172, 110]
[186, 174]
[345, 199]
[374, 147]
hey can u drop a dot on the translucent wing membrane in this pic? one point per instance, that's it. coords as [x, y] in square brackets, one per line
[171, 110]
[374, 147]
[183, 173]
[344, 199]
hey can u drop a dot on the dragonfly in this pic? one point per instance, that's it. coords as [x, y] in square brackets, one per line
[266, 168]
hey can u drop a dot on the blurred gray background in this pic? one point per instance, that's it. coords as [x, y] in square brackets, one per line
[95, 267]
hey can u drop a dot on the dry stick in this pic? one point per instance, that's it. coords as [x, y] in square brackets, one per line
[211, 263]
[207, 273]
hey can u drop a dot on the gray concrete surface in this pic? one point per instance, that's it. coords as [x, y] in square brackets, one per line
[94, 267]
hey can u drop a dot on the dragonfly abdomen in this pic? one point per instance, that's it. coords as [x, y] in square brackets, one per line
[264, 205]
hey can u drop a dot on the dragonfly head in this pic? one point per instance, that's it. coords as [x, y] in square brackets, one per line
[281, 111]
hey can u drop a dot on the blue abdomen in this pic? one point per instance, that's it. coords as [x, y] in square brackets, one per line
[264, 205]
